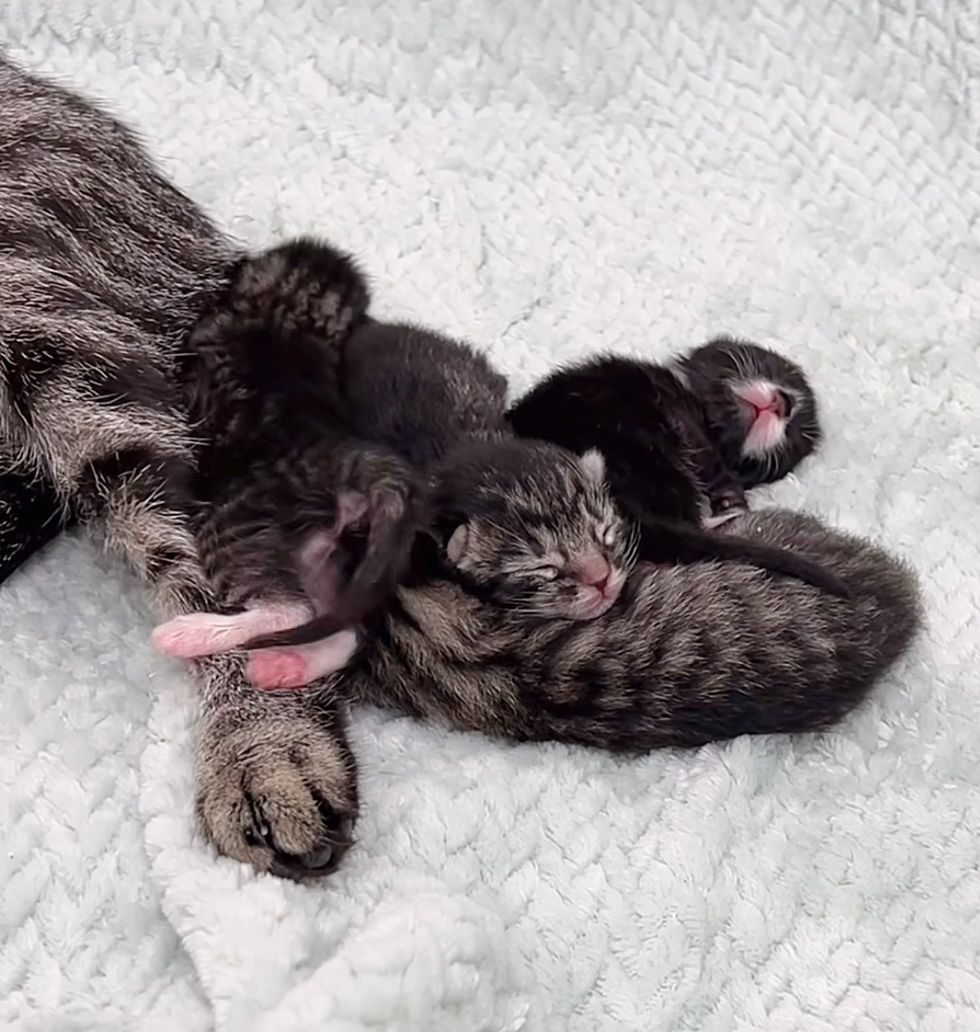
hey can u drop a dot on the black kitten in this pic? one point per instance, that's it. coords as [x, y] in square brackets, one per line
[676, 441]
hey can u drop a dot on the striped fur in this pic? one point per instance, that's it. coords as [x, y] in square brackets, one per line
[688, 655]
[104, 267]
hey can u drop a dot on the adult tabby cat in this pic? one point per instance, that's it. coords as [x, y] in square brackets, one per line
[104, 266]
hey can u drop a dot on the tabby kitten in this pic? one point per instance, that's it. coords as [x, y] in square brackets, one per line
[522, 526]
[688, 655]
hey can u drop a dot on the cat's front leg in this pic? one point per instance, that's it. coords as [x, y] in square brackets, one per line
[277, 782]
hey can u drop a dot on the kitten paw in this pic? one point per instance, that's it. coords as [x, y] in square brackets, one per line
[278, 668]
[292, 668]
[726, 504]
[186, 637]
[712, 522]
[193, 635]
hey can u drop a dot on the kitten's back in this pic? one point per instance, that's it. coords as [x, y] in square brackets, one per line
[420, 392]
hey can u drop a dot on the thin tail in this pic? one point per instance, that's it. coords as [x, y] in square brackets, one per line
[666, 540]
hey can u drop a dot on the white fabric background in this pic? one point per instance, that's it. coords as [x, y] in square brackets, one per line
[548, 179]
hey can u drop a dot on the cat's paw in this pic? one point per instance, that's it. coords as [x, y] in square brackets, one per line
[277, 788]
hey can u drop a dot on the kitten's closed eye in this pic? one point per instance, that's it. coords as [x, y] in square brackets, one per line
[546, 572]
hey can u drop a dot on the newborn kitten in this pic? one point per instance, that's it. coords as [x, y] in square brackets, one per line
[760, 410]
[279, 477]
[530, 522]
[520, 525]
[665, 469]
[537, 526]
[690, 654]
[294, 377]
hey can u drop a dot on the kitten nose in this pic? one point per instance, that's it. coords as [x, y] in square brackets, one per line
[595, 572]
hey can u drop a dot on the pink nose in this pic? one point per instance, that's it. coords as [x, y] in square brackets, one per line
[594, 572]
[775, 401]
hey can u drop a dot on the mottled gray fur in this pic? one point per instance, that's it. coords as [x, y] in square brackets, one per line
[689, 654]
[104, 266]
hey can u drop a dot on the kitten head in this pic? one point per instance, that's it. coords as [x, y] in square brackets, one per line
[532, 525]
[759, 405]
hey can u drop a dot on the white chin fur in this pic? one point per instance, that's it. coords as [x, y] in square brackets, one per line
[768, 433]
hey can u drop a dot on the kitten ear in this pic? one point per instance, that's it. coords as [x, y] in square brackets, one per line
[456, 545]
[593, 465]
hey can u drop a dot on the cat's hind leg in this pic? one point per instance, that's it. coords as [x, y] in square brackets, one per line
[293, 668]
[191, 635]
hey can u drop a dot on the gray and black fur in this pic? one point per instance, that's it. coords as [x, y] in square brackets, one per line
[438, 403]
[688, 655]
[278, 455]
[667, 447]
[104, 268]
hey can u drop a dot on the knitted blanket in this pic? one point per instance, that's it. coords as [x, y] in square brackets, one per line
[547, 179]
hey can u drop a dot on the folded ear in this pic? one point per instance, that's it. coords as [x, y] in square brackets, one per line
[457, 544]
[593, 465]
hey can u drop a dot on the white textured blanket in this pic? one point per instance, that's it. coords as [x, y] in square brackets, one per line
[548, 178]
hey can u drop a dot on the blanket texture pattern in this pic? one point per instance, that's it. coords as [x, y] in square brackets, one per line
[547, 179]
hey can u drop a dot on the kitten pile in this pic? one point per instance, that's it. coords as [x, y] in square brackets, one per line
[326, 434]
[353, 499]
[540, 576]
